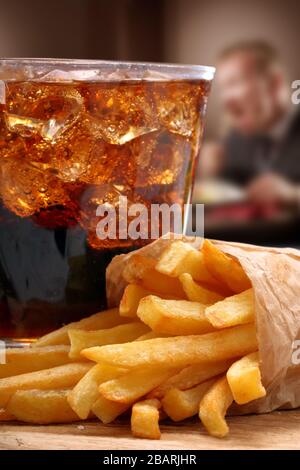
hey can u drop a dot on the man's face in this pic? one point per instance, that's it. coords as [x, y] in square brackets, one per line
[247, 96]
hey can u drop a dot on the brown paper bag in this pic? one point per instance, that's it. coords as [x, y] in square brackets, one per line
[275, 276]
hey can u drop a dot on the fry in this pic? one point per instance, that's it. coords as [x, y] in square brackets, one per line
[101, 320]
[191, 376]
[235, 310]
[244, 379]
[141, 270]
[179, 351]
[197, 293]
[145, 419]
[173, 260]
[6, 415]
[179, 258]
[134, 384]
[81, 339]
[107, 411]
[182, 404]
[85, 392]
[213, 408]
[224, 268]
[173, 317]
[41, 406]
[23, 360]
[60, 377]
[132, 295]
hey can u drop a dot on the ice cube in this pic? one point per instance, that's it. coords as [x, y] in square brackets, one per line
[70, 75]
[102, 163]
[121, 113]
[161, 157]
[26, 189]
[49, 110]
[2, 92]
[178, 107]
[107, 195]
[22, 125]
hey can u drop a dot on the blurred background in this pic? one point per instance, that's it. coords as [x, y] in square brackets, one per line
[249, 167]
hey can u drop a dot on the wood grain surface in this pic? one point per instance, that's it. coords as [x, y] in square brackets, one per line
[279, 430]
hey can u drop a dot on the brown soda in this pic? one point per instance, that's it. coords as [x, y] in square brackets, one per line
[65, 148]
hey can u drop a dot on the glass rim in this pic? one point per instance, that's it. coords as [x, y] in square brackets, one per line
[183, 71]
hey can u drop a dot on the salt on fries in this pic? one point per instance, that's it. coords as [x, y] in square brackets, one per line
[182, 343]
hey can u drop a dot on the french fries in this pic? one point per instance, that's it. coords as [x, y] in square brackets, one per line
[244, 379]
[23, 360]
[107, 410]
[173, 317]
[99, 321]
[60, 377]
[191, 376]
[85, 393]
[179, 351]
[134, 384]
[131, 298]
[132, 295]
[81, 339]
[141, 270]
[179, 258]
[41, 406]
[182, 404]
[197, 293]
[225, 269]
[214, 406]
[235, 310]
[145, 419]
[6, 415]
[183, 342]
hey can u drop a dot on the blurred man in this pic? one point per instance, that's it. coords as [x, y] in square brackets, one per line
[262, 148]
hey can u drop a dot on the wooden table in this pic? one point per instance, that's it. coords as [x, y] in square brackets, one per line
[279, 430]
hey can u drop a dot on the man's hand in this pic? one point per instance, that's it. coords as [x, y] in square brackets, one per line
[271, 188]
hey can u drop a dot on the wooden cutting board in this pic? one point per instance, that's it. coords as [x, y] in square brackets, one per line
[278, 430]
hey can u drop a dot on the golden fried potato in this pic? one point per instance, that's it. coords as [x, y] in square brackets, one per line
[182, 404]
[225, 269]
[41, 406]
[6, 415]
[190, 376]
[23, 360]
[132, 295]
[179, 351]
[99, 321]
[214, 406]
[244, 379]
[197, 293]
[141, 270]
[60, 377]
[145, 419]
[135, 384]
[235, 310]
[85, 392]
[173, 317]
[107, 411]
[180, 257]
[81, 339]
